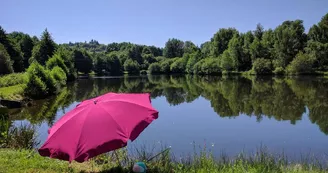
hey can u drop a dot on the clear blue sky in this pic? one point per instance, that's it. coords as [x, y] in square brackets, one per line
[151, 22]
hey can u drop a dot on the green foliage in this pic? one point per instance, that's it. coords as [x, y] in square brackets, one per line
[154, 68]
[131, 66]
[59, 75]
[166, 65]
[210, 66]
[289, 40]
[262, 66]
[179, 65]
[206, 48]
[189, 47]
[5, 63]
[246, 60]
[13, 79]
[82, 61]
[26, 45]
[67, 56]
[192, 60]
[44, 49]
[279, 71]
[319, 32]
[236, 53]
[319, 53]
[13, 50]
[173, 48]
[227, 61]
[40, 82]
[57, 61]
[107, 64]
[221, 40]
[301, 64]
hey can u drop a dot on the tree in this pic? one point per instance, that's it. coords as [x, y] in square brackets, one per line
[40, 82]
[57, 61]
[26, 44]
[262, 66]
[179, 65]
[189, 47]
[131, 66]
[154, 68]
[221, 40]
[59, 76]
[319, 32]
[248, 38]
[194, 58]
[289, 40]
[211, 66]
[148, 58]
[173, 48]
[67, 56]
[301, 64]
[113, 63]
[5, 64]
[13, 51]
[227, 62]
[317, 46]
[206, 48]
[236, 53]
[44, 49]
[258, 33]
[83, 61]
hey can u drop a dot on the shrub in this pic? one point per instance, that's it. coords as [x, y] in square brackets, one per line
[131, 66]
[5, 63]
[166, 65]
[262, 66]
[198, 67]
[59, 75]
[56, 60]
[210, 66]
[154, 68]
[179, 65]
[40, 82]
[302, 63]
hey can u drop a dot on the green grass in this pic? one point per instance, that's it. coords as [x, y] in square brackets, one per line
[12, 92]
[30, 161]
[13, 79]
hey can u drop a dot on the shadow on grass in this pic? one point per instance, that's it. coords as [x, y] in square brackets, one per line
[119, 169]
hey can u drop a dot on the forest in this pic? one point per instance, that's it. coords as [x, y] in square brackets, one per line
[44, 66]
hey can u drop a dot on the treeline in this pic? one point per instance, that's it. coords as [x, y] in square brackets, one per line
[285, 49]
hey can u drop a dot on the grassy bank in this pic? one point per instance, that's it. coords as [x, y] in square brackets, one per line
[12, 86]
[30, 161]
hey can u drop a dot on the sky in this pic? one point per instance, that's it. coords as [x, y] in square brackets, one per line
[151, 22]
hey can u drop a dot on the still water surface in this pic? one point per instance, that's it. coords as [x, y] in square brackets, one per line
[227, 114]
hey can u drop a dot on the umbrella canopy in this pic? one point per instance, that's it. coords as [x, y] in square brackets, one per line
[99, 125]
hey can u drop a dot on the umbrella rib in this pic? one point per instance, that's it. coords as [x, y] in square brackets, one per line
[114, 121]
[78, 142]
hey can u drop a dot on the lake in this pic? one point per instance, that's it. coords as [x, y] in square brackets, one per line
[227, 114]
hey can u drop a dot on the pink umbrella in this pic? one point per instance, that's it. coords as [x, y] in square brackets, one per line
[98, 126]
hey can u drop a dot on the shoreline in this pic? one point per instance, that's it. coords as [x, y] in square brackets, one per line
[262, 161]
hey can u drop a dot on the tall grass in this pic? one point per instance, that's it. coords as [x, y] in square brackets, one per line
[13, 79]
[121, 161]
[22, 137]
